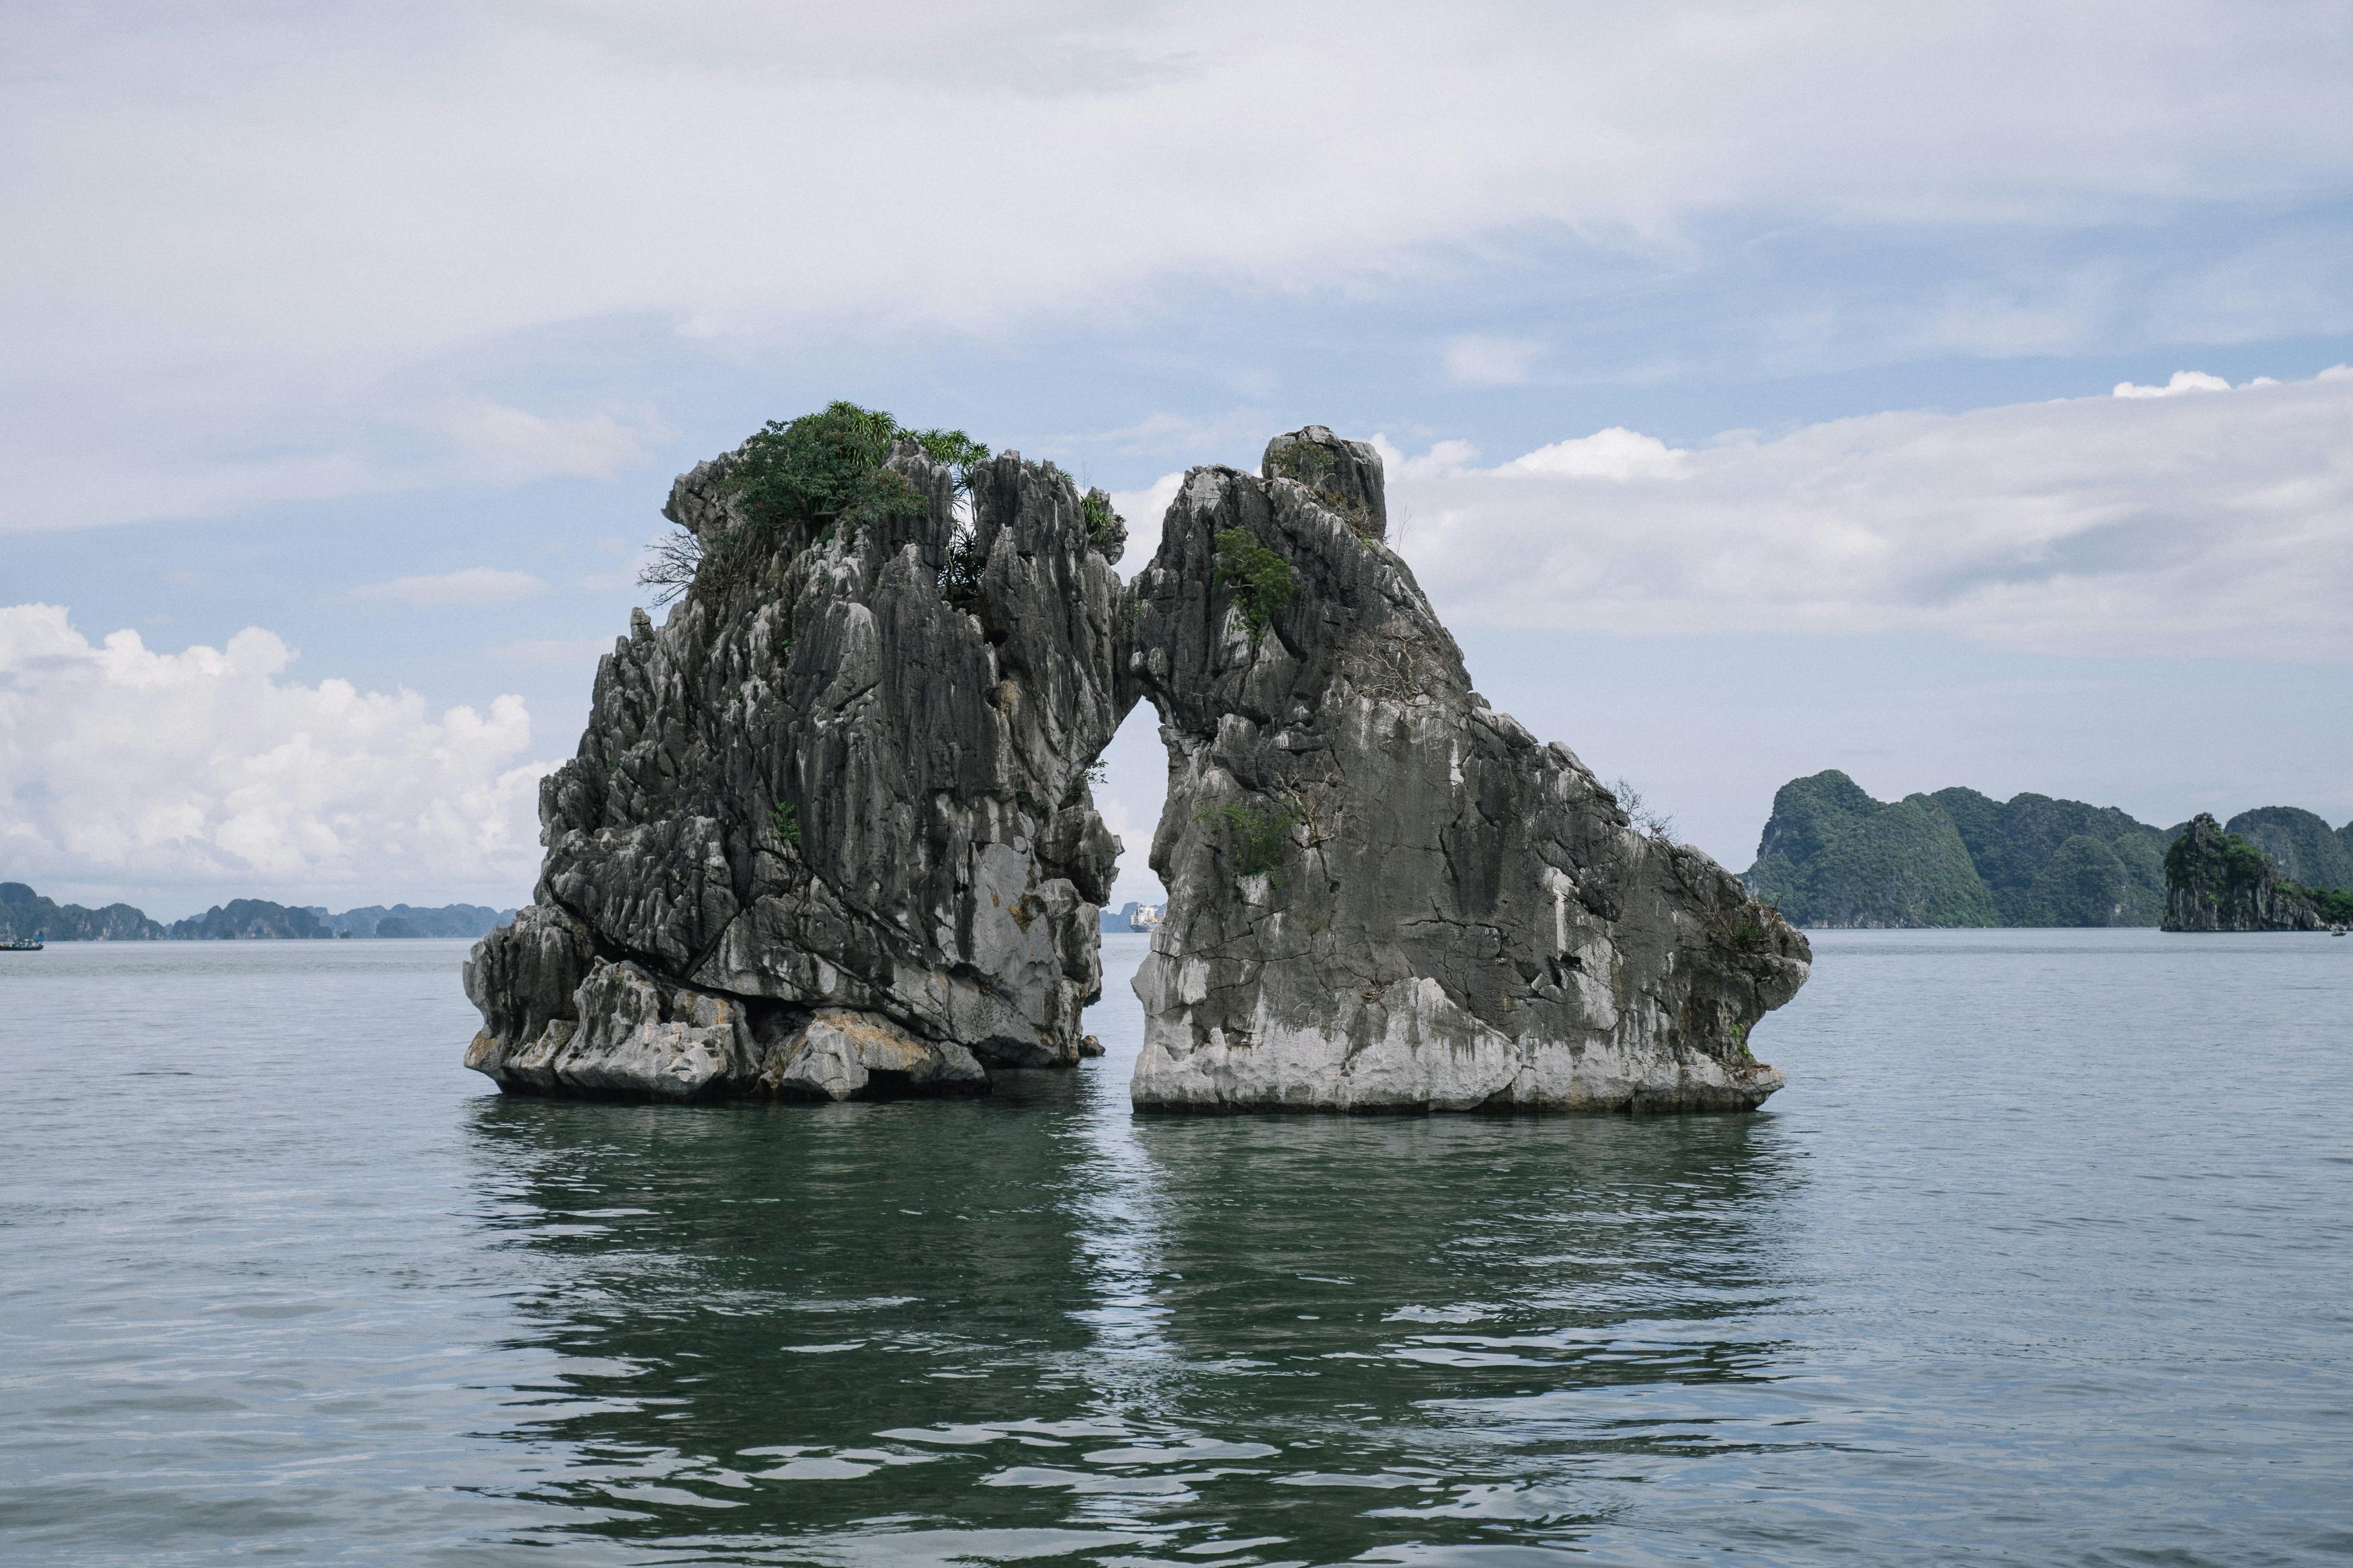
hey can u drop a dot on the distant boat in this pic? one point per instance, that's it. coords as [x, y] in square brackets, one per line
[23, 943]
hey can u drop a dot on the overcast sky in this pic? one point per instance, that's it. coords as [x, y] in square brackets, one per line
[1951, 395]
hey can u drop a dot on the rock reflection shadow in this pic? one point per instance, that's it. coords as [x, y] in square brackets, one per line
[1034, 1327]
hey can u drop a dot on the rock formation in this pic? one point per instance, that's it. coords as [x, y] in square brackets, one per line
[822, 792]
[25, 913]
[830, 833]
[2218, 881]
[475, 920]
[1384, 894]
[1831, 856]
[250, 919]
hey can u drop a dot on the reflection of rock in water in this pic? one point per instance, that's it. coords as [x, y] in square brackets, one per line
[1516, 1246]
[776, 1332]
[829, 833]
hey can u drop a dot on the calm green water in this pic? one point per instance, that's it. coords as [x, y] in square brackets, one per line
[2044, 1256]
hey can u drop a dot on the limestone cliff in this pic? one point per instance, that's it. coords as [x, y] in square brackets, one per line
[829, 833]
[2218, 881]
[1384, 894]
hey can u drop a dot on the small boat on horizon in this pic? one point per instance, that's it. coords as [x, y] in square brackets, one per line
[23, 943]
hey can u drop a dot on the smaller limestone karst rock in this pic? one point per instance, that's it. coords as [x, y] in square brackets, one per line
[2217, 882]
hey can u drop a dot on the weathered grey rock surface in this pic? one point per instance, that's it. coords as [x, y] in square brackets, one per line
[1384, 894]
[823, 792]
[830, 833]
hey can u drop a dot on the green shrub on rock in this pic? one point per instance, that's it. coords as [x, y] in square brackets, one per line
[1264, 580]
[810, 474]
[1105, 528]
[1255, 835]
[818, 468]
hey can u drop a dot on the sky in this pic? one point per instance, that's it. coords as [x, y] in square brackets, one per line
[1951, 396]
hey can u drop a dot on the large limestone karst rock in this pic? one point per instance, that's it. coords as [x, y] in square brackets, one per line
[1384, 894]
[829, 835]
[828, 832]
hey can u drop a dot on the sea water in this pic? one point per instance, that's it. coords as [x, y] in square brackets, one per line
[2044, 1256]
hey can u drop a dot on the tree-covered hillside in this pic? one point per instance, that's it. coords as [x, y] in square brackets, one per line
[2306, 850]
[2060, 862]
[25, 913]
[250, 919]
[402, 920]
[1832, 855]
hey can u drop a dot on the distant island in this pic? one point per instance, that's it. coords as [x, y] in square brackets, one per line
[24, 912]
[1832, 855]
[1133, 917]
[2216, 880]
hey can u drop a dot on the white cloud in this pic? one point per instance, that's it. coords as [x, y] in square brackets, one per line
[472, 585]
[1615, 453]
[1143, 511]
[191, 459]
[379, 205]
[2183, 380]
[1443, 457]
[2212, 525]
[131, 769]
[513, 444]
[1476, 360]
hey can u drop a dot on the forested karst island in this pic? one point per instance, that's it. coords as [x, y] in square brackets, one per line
[25, 913]
[830, 833]
[1831, 856]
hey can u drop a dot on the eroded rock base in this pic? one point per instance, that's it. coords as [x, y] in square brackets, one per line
[1318, 1073]
[633, 1036]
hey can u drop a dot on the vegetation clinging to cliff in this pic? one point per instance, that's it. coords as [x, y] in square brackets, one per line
[2235, 863]
[1263, 580]
[2335, 904]
[1255, 835]
[816, 470]
[1104, 524]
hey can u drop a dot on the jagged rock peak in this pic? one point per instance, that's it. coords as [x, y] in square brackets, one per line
[1345, 476]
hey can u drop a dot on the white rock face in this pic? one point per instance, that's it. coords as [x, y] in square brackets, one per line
[836, 1056]
[632, 1037]
[1440, 1062]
